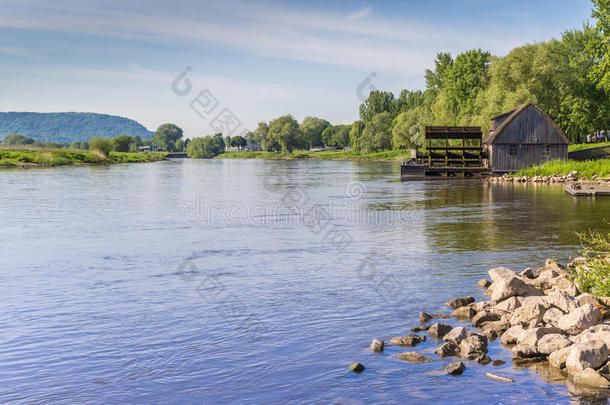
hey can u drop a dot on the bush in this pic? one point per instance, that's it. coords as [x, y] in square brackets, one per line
[206, 147]
[101, 145]
[593, 276]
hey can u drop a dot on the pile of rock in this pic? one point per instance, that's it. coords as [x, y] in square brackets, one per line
[546, 318]
[555, 178]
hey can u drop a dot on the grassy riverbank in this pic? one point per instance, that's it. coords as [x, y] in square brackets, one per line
[389, 156]
[586, 169]
[582, 146]
[11, 157]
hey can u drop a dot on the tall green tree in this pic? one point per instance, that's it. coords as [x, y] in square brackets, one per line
[435, 79]
[312, 128]
[165, 137]
[377, 102]
[376, 134]
[600, 46]
[121, 143]
[285, 132]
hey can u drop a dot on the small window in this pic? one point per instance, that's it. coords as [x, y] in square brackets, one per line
[513, 150]
[546, 152]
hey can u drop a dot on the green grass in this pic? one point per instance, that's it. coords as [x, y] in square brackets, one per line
[326, 155]
[586, 169]
[582, 146]
[12, 157]
[593, 276]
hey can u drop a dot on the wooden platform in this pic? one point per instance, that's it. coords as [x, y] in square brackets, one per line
[587, 190]
[421, 172]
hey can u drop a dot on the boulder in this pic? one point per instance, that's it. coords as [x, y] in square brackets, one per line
[551, 316]
[558, 358]
[528, 315]
[498, 326]
[484, 316]
[447, 349]
[563, 283]
[507, 306]
[413, 357]
[484, 283]
[511, 335]
[439, 330]
[497, 363]
[586, 298]
[460, 302]
[422, 328]
[377, 345]
[473, 346]
[490, 334]
[482, 305]
[424, 317]
[409, 340]
[598, 332]
[589, 354]
[537, 299]
[533, 335]
[591, 378]
[580, 319]
[512, 286]
[501, 273]
[527, 273]
[456, 368]
[525, 352]
[552, 342]
[357, 368]
[484, 360]
[464, 313]
[456, 335]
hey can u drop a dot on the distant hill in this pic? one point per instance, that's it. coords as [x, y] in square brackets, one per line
[67, 127]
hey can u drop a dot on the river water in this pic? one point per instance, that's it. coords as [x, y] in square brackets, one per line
[250, 281]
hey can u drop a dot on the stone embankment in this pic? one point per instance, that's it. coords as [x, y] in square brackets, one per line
[571, 177]
[540, 316]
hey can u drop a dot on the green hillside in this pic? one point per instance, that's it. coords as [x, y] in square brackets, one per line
[67, 127]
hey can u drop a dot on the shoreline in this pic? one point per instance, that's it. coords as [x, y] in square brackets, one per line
[540, 317]
[386, 156]
[45, 158]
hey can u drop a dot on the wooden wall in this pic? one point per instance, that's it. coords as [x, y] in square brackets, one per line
[532, 138]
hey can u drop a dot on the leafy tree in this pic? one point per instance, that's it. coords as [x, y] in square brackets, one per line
[101, 145]
[312, 129]
[442, 64]
[284, 131]
[467, 76]
[600, 46]
[165, 137]
[121, 143]
[341, 136]
[376, 135]
[135, 143]
[17, 139]
[206, 147]
[179, 145]
[377, 102]
[239, 142]
[328, 134]
[355, 135]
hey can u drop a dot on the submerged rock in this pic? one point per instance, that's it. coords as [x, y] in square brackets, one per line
[409, 340]
[422, 328]
[413, 357]
[558, 358]
[377, 345]
[464, 312]
[447, 349]
[497, 363]
[456, 368]
[484, 283]
[484, 359]
[525, 352]
[484, 316]
[591, 378]
[439, 329]
[460, 302]
[473, 346]
[424, 317]
[357, 367]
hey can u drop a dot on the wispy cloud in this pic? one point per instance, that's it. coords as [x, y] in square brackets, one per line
[363, 12]
[15, 52]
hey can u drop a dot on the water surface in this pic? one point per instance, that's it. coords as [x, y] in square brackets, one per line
[226, 281]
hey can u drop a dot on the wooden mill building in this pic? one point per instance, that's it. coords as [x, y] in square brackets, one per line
[523, 137]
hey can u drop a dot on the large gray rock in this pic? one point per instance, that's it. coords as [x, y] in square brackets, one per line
[512, 286]
[465, 312]
[507, 306]
[482, 305]
[501, 273]
[533, 335]
[456, 368]
[447, 349]
[580, 319]
[558, 358]
[586, 298]
[460, 302]
[562, 300]
[439, 330]
[552, 315]
[591, 378]
[473, 346]
[529, 315]
[552, 342]
[563, 283]
[598, 332]
[525, 352]
[456, 335]
[409, 340]
[484, 316]
[511, 335]
[413, 357]
[590, 354]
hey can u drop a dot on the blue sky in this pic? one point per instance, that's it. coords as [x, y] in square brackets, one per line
[257, 59]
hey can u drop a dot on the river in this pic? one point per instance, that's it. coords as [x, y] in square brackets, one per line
[251, 281]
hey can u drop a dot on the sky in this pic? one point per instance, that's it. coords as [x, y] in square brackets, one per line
[244, 62]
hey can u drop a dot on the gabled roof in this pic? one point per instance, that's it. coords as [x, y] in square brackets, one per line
[493, 135]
